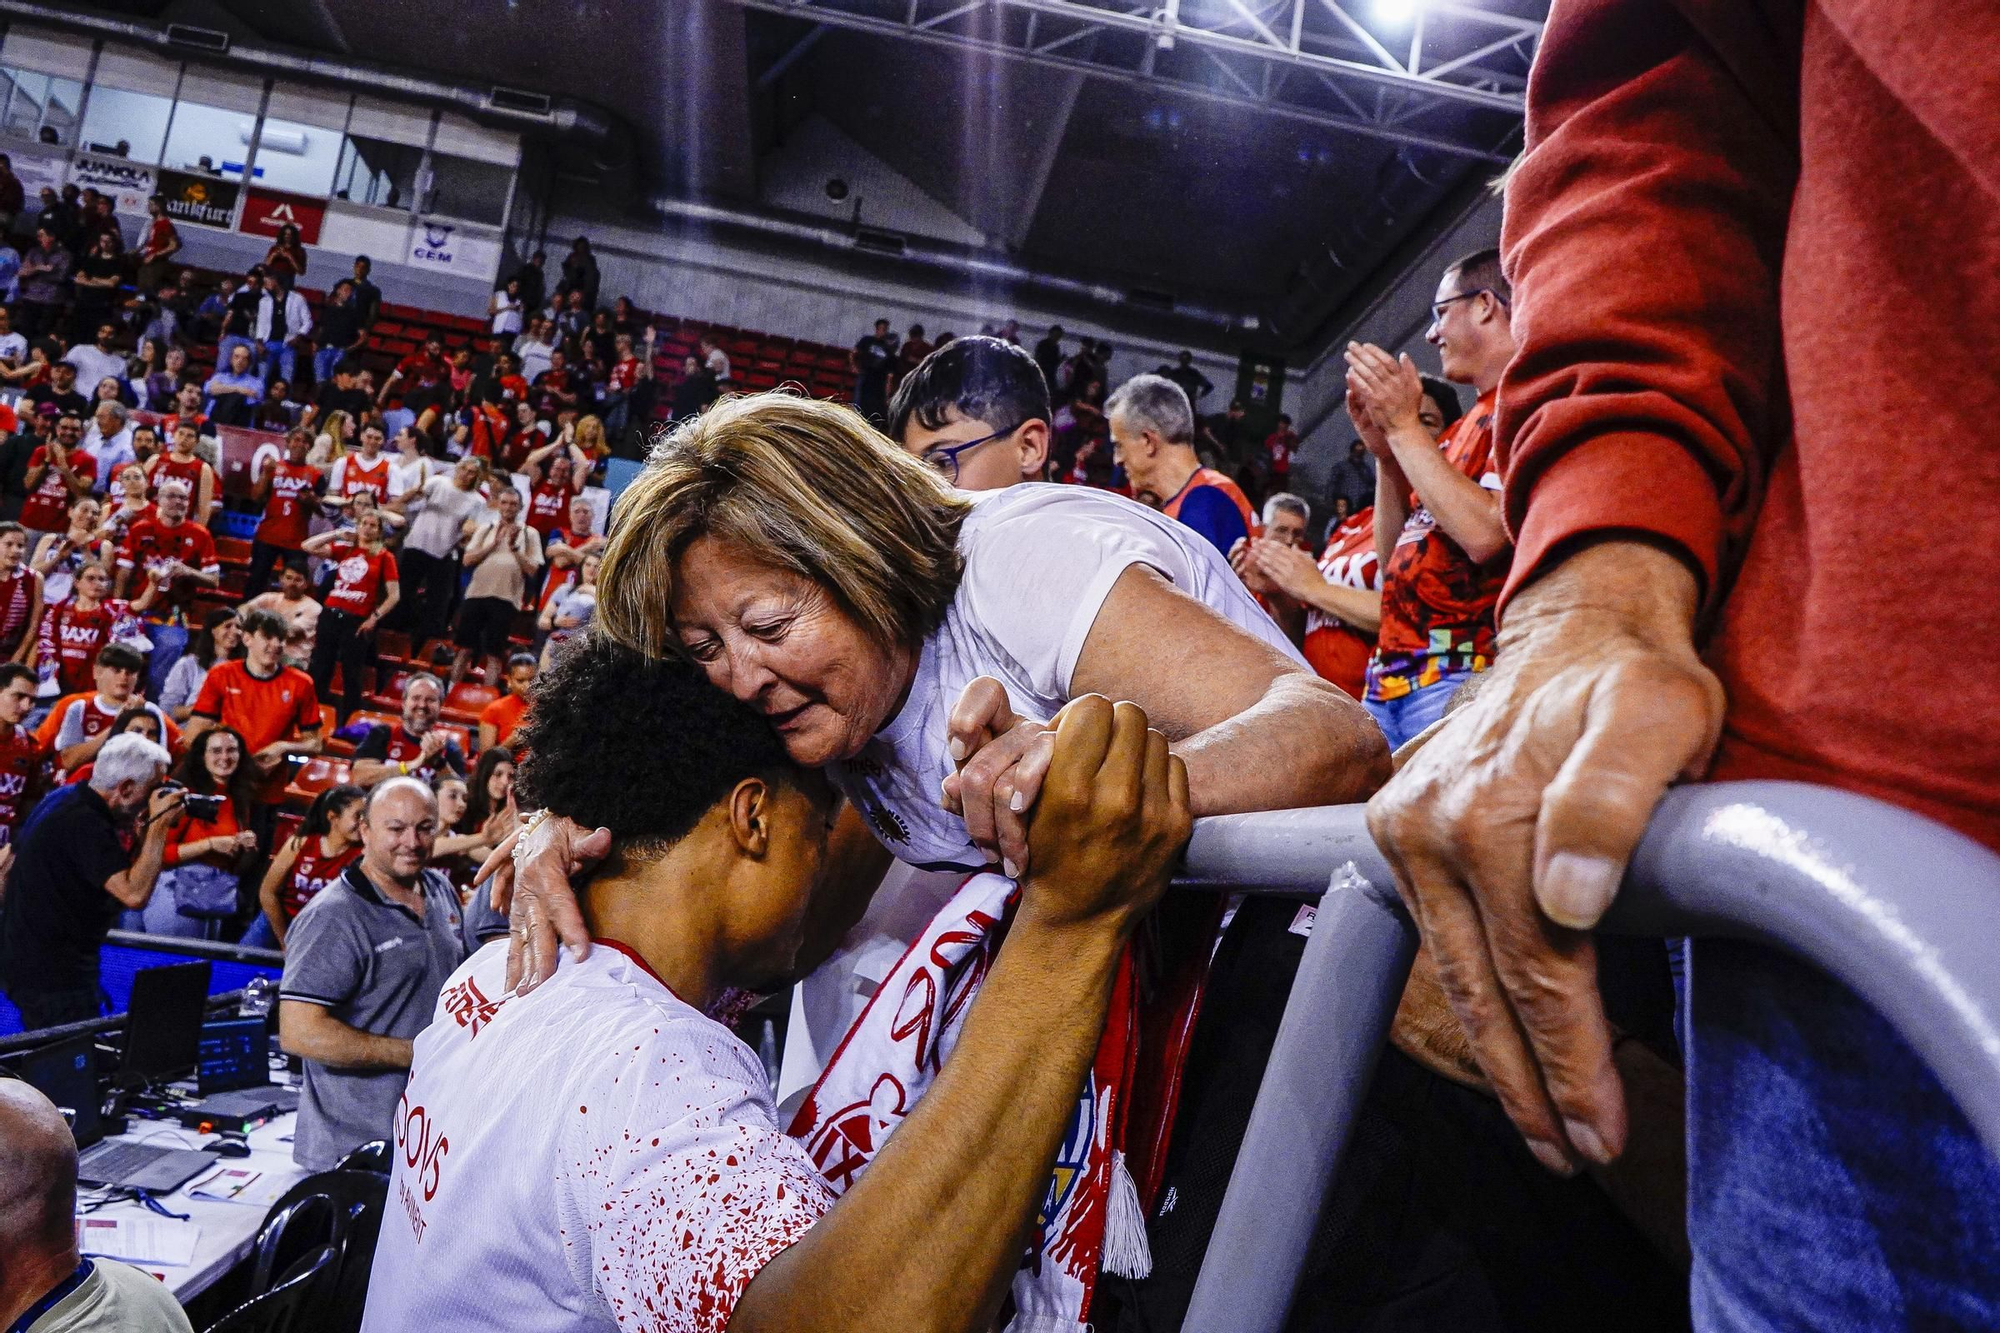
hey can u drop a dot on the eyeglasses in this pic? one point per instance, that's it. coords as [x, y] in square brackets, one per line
[1438, 307]
[946, 460]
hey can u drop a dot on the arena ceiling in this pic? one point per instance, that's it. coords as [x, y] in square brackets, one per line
[1256, 158]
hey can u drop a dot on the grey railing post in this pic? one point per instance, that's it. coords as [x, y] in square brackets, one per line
[1896, 907]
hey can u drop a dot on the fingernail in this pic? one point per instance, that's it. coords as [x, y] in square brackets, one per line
[1576, 888]
[1552, 1157]
[1585, 1138]
[576, 952]
[956, 749]
[991, 856]
[1009, 869]
[1018, 802]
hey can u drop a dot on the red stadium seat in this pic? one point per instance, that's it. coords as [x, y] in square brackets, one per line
[464, 704]
[320, 772]
[232, 550]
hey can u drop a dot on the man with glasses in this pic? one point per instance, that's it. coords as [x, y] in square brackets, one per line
[1438, 533]
[977, 410]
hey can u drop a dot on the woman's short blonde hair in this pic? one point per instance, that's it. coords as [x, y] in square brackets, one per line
[804, 485]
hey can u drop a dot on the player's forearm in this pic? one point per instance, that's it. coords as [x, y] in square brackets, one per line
[134, 887]
[308, 1031]
[1302, 743]
[1003, 1101]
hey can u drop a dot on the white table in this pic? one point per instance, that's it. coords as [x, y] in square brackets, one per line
[227, 1229]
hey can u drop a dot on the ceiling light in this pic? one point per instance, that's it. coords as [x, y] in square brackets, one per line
[1396, 12]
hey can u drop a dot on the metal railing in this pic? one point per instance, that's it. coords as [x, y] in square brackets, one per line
[1894, 906]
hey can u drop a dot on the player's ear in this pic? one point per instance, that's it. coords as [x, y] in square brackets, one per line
[750, 816]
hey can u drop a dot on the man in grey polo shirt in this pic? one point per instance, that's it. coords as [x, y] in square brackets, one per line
[363, 966]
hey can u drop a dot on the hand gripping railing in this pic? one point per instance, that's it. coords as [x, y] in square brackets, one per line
[1896, 907]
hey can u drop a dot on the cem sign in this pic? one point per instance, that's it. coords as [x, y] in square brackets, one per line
[434, 244]
[453, 248]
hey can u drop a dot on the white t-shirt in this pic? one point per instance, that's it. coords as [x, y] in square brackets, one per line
[406, 475]
[93, 367]
[441, 519]
[1039, 561]
[593, 1155]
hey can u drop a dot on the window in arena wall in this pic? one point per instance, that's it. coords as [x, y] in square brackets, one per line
[463, 188]
[303, 133]
[122, 123]
[373, 171]
[207, 140]
[40, 106]
[214, 118]
[130, 104]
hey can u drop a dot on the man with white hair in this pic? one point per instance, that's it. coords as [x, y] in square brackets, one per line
[109, 441]
[73, 876]
[1152, 438]
[46, 1284]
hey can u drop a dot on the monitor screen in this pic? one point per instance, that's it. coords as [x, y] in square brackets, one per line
[234, 1054]
[163, 1024]
[66, 1074]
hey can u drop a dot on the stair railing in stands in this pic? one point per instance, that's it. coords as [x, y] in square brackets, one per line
[1896, 907]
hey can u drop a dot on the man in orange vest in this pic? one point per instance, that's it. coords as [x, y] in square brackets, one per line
[1152, 438]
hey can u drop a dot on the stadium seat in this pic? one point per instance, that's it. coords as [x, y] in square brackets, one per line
[320, 772]
[464, 704]
[232, 551]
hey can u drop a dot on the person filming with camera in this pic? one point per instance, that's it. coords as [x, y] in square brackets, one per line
[73, 875]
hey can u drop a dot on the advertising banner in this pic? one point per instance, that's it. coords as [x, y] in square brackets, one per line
[128, 183]
[266, 212]
[204, 200]
[454, 248]
[37, 171]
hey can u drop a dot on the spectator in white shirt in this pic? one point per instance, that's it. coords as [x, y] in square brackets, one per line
[13, 347]
[714, 360]
[96, 361]
[284, 322]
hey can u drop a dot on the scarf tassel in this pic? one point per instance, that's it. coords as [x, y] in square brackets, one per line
[1126, 1251]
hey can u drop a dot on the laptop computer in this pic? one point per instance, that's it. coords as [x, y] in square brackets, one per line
[66, 1074]
[163, 1023]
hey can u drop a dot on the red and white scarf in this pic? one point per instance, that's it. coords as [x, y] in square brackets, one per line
[1090, 1217]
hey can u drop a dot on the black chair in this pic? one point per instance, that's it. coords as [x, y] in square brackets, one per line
[279, 1310]
[301, 1223]
[368, 1157]
[358, 1196]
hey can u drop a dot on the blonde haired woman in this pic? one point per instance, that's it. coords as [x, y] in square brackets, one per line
[889, 627]
[334, 440]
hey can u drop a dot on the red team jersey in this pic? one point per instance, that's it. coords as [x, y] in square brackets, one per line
[1437, 602]
[1337, 650]
[312, 870]
[150, 542]
[548, 508]
[71, 636]
[354, 474]
[162, 466]
[20, 756]
[358, 578]
[47, 509]
[288, 511]
[17, 600]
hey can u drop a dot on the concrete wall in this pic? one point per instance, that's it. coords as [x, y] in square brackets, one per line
[719, 279]
[1396, 320]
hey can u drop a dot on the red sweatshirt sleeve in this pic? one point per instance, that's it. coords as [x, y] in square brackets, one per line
[1644, 232]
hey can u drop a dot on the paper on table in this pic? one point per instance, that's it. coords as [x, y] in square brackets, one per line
[138, 1240]
[240, 1184]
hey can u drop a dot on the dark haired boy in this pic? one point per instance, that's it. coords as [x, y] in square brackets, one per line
[598, 1152]
[977, 409]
